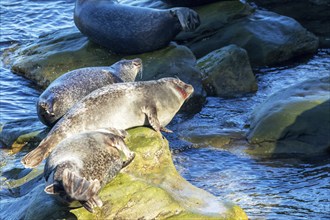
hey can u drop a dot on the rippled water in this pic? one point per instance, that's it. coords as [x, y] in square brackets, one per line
[264, 188]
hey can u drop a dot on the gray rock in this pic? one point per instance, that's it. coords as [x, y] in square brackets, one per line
[312, 14]
[269, 38]
[294, 120]
[227, 72]
[15, 134]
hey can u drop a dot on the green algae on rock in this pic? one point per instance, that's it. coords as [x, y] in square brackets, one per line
[149, 188]
[295, 120]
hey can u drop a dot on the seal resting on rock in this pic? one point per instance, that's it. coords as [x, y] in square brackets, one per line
[121, 106]
[69, 88]
[131, 30]
[82, 164]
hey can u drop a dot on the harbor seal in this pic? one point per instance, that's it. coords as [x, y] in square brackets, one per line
[69, 88]
[82, 164]
[131, 30]
[122, 106]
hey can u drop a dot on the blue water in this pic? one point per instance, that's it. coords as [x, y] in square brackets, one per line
[264, 188]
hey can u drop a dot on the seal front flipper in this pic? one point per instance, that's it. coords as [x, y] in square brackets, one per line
[188, 18]
[78, 188]
[151, 113]
[119, 143]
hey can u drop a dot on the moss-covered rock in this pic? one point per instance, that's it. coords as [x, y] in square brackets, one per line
[56, 53]
[227, 72]
[149, 188]
[295, 120]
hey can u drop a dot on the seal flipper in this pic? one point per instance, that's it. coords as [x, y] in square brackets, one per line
[78, 188]
[128, 153]
[35, 157]
[151, 113]
[92, 203]
[52, 189]
[188, 18]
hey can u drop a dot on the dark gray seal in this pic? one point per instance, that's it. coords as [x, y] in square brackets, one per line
[131, 30]
[121, 106]
[188, 3]
[82, 164]
[69, 88]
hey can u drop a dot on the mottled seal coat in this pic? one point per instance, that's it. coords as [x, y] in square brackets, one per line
[131, 30]
[69, 88]
[122, 106]
[82, 164]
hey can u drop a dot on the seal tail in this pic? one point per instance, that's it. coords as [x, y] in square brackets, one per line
[78, 188]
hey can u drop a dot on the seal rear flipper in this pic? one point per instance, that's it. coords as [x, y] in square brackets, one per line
[52, 189]
[35, 157]
[151, 114]
[92, 203]
[78, 188]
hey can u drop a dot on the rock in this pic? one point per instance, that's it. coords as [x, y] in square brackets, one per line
[269, 38]
[149, 188]
[56, 53]
[294, 120]
[227, 72]
[312, 14]
[16, 134]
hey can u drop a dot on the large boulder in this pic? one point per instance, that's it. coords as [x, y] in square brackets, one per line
[58, 52]
[227, 72]
[149, 188]
[294, 120]
[269, 38]
[312, 14]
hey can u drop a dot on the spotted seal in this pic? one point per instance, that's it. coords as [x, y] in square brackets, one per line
[122, 106]
[69, 88]
[82, 164]
[129, 29]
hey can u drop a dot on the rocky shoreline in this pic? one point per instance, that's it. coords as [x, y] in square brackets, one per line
[218, 60]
